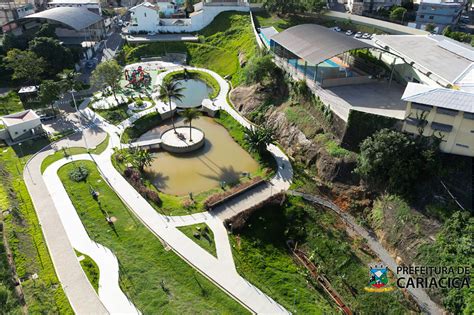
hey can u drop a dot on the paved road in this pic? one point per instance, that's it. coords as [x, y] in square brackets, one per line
[421, 297]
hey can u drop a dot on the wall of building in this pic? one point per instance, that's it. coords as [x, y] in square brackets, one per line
[145, 19]
[460, 140]
[439, 14]
[18, 130]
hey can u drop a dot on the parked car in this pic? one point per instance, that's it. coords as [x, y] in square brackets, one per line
[152, 33]
[372, 36]
[337, 29]
[349, 33]
[358, 35]
[366, 36]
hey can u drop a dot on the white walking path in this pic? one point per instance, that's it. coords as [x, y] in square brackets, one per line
[109, 289]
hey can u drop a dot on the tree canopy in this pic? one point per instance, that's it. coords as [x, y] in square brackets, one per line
[294, 6]
[396, 161]
[26, 65]
[54, 54]
[107, 74]
[397, 14]
[259, 137]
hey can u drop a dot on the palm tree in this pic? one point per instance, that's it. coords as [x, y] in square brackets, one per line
[171, 91]
[139, 158]
[259, 137]
[189, 115]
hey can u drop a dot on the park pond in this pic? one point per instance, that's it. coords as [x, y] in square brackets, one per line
[221, 159]
[194, 92]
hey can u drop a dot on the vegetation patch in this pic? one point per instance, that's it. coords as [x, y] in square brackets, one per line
[114, 115]
[90, 269]
[262, 256]
[156, 280]
[202, 235]
[332, 147]
[140, 126]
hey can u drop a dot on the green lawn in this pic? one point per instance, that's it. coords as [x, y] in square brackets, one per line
[156, 280]
[205, 239]
[23, 231]
[262, 256]
[10, 103]
[115, 115]
[50, 159]
[141, 126]
[90, 269]
[229, 35]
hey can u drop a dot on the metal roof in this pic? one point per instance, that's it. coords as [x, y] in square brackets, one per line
[76, 18]
[315, 43]
[439, 97]
[443, 57]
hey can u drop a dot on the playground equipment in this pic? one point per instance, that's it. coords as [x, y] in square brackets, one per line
[137, 78]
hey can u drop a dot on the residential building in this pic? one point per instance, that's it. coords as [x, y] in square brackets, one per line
[361, 6]
[445, 113]
[21, 126]
[440, 13]
[92, 5]
[11, 11]
[165, 17]
[433, 60]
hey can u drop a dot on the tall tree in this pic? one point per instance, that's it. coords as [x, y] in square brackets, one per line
[189, 115]
[108, 74]
[54, 54]
[169, 91]
[26, 65]
[398, 14]
[47, 30]
[49, 93]
[69, 80]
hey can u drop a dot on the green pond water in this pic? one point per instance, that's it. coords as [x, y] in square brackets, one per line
[220, 159]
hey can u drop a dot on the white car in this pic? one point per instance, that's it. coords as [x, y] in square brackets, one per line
[349, 33]
[366, 36]
[337, 29]
[152, 33]
[358, 35]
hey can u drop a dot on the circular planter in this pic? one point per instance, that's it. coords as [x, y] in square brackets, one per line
[180, 142]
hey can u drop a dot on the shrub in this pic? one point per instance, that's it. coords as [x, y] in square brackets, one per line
[79, 173]
[139, 103]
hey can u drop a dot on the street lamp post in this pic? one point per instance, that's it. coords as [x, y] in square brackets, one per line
[80, 118]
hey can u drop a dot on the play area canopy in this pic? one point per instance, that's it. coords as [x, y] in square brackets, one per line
[315, 43]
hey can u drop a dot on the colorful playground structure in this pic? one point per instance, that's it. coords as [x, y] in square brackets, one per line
[137, 78]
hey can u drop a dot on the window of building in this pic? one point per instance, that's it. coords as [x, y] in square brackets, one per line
[462, 145]
[144, 14]
[431, 17]
[441, 127]
[446, 111]
[421, 106]
[416, 122]
[422, 16]
[469, 116]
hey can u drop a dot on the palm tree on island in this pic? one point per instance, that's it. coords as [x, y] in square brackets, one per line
[189, 115]
[169, 91]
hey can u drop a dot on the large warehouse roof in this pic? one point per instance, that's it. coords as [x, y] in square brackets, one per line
[76, 18]
[315, 43]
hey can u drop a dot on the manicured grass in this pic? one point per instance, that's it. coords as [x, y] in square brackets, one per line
[262, 256]
[229, 35]
[195, 74]
[156, 280]
[90, 269]
[50, 159]
[115, 115]
[141, 126]
[205, 239]
[23, 231]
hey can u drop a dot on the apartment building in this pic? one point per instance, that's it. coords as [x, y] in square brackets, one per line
[440, 13]
[445, 113]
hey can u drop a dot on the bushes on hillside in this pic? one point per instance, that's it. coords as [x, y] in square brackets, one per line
[397, 161]
[134, 177]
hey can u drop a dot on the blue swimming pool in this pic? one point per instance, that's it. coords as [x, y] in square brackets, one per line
[331, 63]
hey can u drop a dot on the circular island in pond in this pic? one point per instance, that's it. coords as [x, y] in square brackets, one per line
[182, 139]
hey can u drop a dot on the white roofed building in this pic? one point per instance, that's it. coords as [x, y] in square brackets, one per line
[442, 112]
[21, 126]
